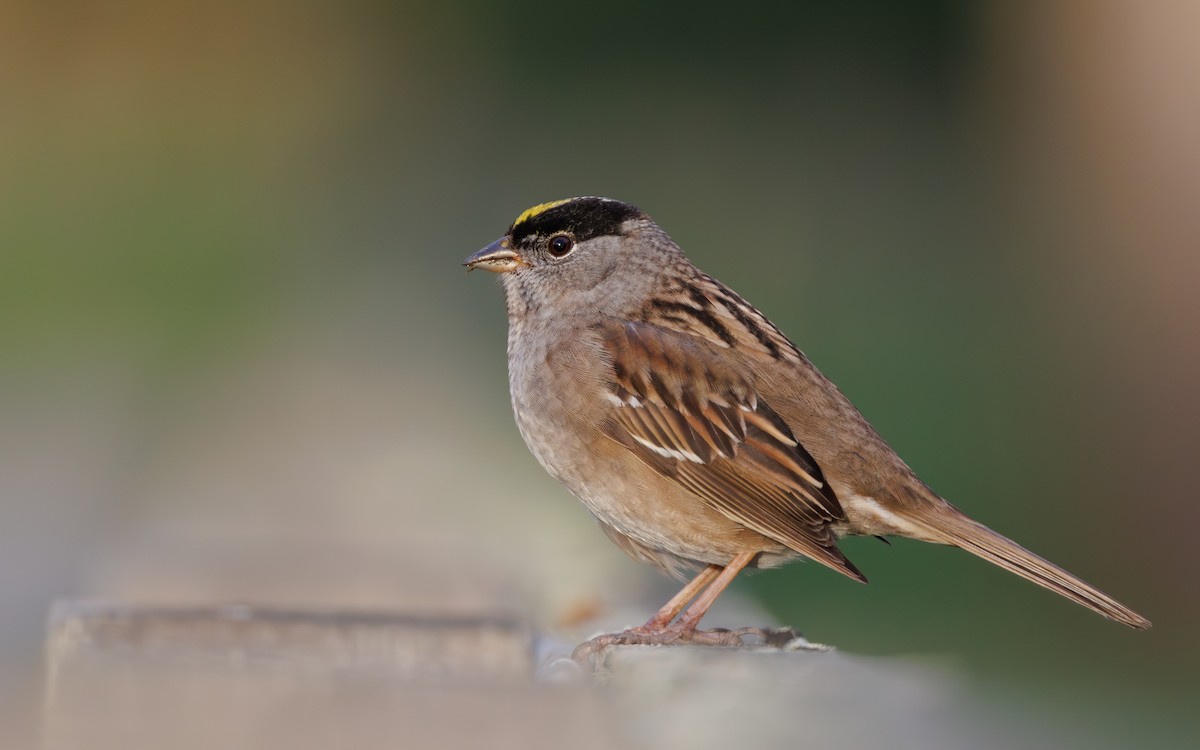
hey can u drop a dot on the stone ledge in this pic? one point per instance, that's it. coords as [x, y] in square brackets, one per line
[130, 677]
[416, 647]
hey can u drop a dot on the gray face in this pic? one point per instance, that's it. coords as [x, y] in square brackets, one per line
[593, 274]
[585, 254]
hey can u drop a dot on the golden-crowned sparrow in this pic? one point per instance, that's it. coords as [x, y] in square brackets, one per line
[693, 430]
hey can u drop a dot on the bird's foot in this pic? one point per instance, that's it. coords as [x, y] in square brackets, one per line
[642, 636]
[677, 635]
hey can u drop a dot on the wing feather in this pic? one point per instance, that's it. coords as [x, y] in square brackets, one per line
[686, 411]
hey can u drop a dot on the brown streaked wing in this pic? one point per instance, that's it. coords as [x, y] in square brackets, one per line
[690, 415]
[703, 307]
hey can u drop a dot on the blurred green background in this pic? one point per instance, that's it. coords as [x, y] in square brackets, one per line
[238, 357]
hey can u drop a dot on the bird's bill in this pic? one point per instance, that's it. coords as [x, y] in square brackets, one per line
[498, 257]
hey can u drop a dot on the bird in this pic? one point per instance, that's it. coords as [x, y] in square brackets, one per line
[700, 438]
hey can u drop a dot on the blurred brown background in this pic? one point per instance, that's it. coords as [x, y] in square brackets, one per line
[239, 360]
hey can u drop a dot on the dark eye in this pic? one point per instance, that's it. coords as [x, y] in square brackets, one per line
[560, 245]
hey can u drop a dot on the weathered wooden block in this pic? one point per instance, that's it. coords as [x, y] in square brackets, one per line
[415, 647]
[232, 677]
[127, 677]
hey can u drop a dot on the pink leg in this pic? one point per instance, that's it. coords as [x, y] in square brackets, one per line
[691, 618]
[660, 631]
[671, 609]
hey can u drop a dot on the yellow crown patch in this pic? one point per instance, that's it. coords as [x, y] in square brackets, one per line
[540, 208]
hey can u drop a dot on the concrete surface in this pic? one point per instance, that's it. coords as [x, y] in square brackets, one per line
[131, 677]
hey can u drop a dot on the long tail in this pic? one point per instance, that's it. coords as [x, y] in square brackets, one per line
[951, 526]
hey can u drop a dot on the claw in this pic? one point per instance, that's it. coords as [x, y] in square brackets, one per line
[671, 635]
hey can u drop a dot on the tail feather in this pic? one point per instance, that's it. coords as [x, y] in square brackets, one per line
[953, 527]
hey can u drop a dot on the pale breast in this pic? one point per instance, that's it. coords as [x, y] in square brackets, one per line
[558, 387]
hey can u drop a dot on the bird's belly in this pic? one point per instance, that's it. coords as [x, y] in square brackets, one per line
[562, 431]
[631, 499]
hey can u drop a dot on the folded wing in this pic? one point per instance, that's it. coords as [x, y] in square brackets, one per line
[681, 405]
